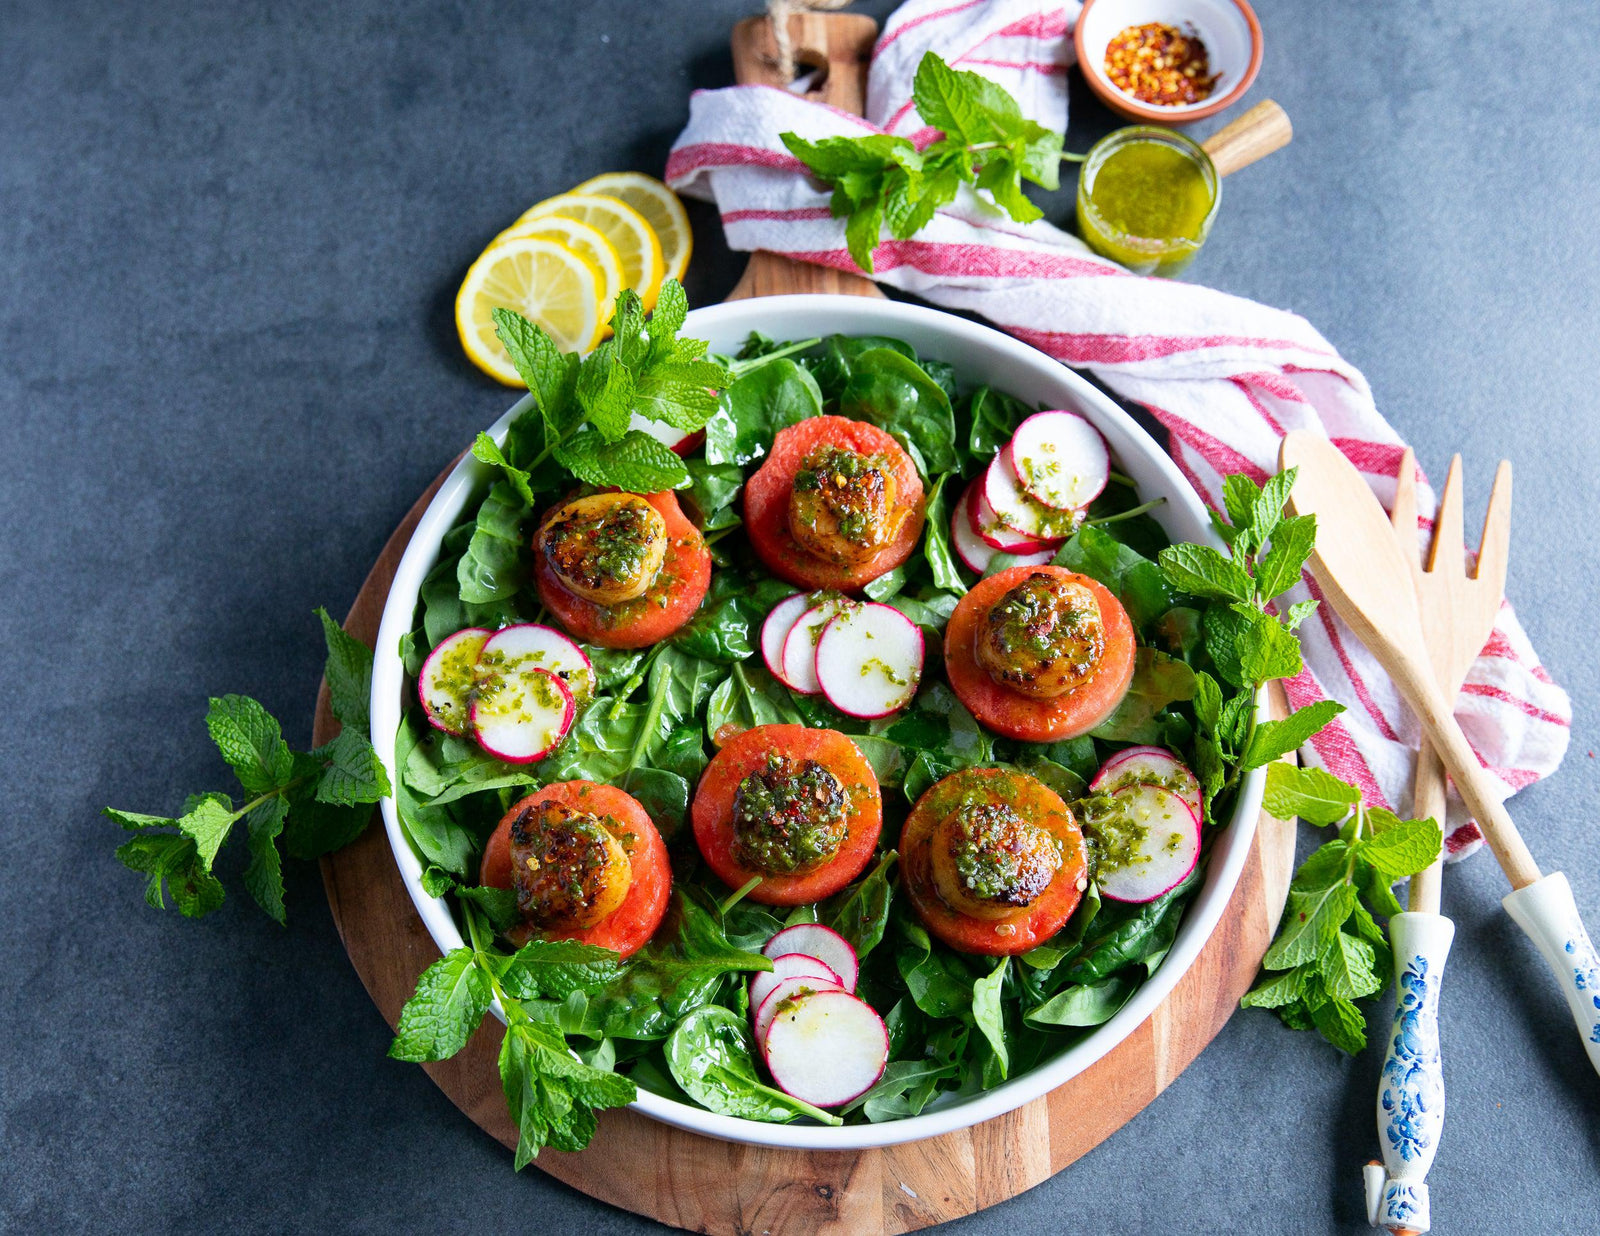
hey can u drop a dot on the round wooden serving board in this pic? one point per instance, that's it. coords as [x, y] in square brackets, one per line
[705, 1185]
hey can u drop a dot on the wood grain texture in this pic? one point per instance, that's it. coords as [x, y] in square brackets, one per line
[704, 1185]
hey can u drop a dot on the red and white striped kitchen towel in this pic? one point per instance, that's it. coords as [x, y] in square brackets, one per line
[1226, 377]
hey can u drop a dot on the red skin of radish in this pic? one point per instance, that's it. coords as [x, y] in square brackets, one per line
[794, 940]
[1114, 768]
[916, 631]
[961, 521]
[780, 616]
[566, 724]
[444, 647]
[829, 1100]
[1179, 879]
[1029, 489]
[986, 524]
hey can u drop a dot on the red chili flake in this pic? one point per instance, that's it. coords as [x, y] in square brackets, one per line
[1160, 65]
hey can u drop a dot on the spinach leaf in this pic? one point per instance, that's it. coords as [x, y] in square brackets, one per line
[894, 393]
[1158, 680]
[1085, 1004]
[746, 698]
[680, 970]
[491, 569]
[939, 984]
[1135, 580]
[836, 359]
[756, 407]
[713, 490]
[708, 1054]
[986, 1011]
[1141, 937]
[860, 913]
[991, 418]
[430, 829]
[936, 540]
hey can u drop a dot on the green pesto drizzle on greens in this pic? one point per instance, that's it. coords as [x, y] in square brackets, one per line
[585, 1028]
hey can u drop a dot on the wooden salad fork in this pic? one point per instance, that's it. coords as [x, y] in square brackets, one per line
[1457, 612]
[1371, 585]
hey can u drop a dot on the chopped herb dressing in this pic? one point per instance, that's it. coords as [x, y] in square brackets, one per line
[790, 816]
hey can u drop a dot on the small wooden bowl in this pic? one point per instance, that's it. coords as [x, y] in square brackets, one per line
[1228, 28]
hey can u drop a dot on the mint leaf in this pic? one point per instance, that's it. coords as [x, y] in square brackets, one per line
[1203, 571]
[499, 905]
[554, 969]
[861, 231]
[207, 820]
[680, 393]
[666, 319]
[1310, 921]
[1239, 494]
[605, 388]
[353, 773]
[834, 157]
[263, 878]
[1341, 1023]
[1299, 611]
[1269, 506]
[1273, 739]
[1378, 889]
[485, 449]
[1266, 649]
[1403, 850]
[637, 463]
[1348, 968]
[1279, 568]
[349, 673]
[548, 372]
[1275, 990]
[251, 742]
[172, 858]
[133, 821]
[1315, 796]
[1328, 865]
[947, 100]
[316, 828]
[451, 998]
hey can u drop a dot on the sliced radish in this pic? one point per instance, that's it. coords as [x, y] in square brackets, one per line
[800, 645]
[784, 989]
[869, 660]
[528, 714]
[1156, 839]
[823, 943]
[826, 1048]
[1019, 510]
[789, 965]
[445, 685]
[1060, 459]
[995, 534]
[776, 629]
[1149, 766]
[974, 553]
[532, 645]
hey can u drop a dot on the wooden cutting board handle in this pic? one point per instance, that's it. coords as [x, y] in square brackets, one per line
[837, 47]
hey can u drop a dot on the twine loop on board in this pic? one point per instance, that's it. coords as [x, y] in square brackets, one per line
[779, 12]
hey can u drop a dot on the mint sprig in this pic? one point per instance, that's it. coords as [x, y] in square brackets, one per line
[317, 801]
[1330, 950]
[583, 407]
[881, 180]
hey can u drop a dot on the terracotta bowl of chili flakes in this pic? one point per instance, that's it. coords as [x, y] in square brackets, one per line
[1168, 61]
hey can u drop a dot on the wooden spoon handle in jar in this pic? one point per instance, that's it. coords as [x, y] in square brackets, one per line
[1256, 134]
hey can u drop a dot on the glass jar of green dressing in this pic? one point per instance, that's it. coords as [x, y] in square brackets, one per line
[1146, 198]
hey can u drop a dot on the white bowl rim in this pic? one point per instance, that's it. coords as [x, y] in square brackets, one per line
[853, 316]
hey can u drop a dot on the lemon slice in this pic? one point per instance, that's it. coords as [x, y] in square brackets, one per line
[582, 239]
[627, 230]
[660, 207]
[541, 279]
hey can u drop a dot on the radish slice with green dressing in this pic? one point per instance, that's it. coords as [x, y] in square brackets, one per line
[525, 718]
[869, 660]
[532, 645]
[790, 988]
[1061, 459]
[823, 943]
[800, 645]
[995, 534]
[445, 684]
[975, 553]
[1149, 766]
[826, 1048]
[776, 629]
[1019, 510]
[789, 965]
[1147, 842]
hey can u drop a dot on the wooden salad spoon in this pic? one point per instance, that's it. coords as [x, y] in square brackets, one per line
[1458, 612]
[1366, 578]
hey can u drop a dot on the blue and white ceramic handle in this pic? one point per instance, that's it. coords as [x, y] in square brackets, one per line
[1411, 1092]
[1546, 910]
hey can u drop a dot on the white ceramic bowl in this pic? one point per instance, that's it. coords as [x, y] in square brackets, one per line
[1228, 28]
[980, 355]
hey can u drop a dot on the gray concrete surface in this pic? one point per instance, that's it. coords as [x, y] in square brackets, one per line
[230, 236]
